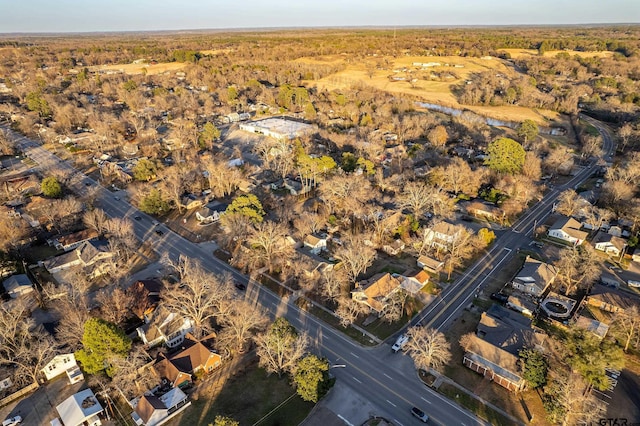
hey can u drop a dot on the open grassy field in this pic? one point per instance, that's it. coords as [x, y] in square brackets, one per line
[520, 53]
[132, 69]
[376, 72]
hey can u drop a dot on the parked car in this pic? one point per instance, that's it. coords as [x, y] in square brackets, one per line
[12, 421]
[137, 217]
[400, 342]
[419, 414]
[499, 297]
[240, 286]
[159, 231]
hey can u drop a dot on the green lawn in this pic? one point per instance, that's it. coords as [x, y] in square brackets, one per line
[473, 405]
[247, 398]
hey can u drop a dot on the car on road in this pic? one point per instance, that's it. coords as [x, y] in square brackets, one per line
[418, 413]
[155, 223]
[240, 286]
[137, 217]
[159, 231]
[12, 421]
[116, 198]
[499, 297]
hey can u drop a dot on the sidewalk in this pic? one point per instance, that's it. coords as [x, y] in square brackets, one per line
[440, 379]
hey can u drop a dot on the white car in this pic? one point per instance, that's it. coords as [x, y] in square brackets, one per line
[400, 342]
[12, 421]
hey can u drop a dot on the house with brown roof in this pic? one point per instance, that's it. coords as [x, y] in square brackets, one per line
[153, 410]
[194, 357]
[413, 281]
[430, 264]
[376, 291]
[71, 241]
[568, 229]
[145, 296]
[534, 277]
[611, 299]
[493, 350]
[485, 211]
[494, 363]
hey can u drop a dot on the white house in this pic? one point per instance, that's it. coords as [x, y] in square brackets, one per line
[568, 229]
[315, 244]
[208, 215]
[61, 364]
[609, 243]
[17, 285]
[167, 327]
[151, 410]
[81, 408]
[430, 264]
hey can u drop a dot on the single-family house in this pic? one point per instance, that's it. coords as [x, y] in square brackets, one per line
[144, 296]
[430, 264]
[296, 188]
[568, 229]
[17, 285]
[442, 235]
[79, 409]
[534, 277]
[194, 356]
[63, 364]
[394, 248]
[315, 244]
[153, 410]
[509, 330]
[498, 365]
[71, 241]
[611, 299]
[493, 350]
[485, 211]
[208, 215]
[609, 243]
[165, 327]
[376, 291]
[90, 255]
[413, 281]
[615, 230]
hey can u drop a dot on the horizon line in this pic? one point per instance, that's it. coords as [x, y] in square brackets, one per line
[322, 27]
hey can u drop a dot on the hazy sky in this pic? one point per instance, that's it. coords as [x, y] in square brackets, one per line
[131, 15]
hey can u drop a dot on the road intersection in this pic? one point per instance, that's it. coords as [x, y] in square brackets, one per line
[387, 380]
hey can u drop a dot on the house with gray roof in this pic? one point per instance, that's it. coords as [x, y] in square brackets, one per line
[534, 277]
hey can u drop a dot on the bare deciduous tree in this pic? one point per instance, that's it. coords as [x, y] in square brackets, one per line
[239, 323]
[349, 310]
[427, 347]
[569, 402]
[114, 305]
[268, 246]
[280, 347]
[96, 219]
[628, 322]
[197, 295]
[356, 256]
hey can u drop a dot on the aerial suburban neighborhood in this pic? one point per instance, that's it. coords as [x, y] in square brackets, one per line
[320, 226]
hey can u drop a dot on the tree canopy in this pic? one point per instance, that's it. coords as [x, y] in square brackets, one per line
[101, 342]
[247, 205]
[590, 357]
[208, 134]
[528, 130]
[281, 347]
[535, 367]
[505, 156]
[154, 203]
[311, 378]
[144, 170]
[51, 188]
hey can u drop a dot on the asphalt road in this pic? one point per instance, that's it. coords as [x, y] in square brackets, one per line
[389, 381]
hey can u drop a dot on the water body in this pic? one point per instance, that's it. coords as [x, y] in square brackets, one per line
[490, 121]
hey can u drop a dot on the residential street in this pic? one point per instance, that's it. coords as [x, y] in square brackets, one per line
[387, 381]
